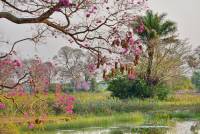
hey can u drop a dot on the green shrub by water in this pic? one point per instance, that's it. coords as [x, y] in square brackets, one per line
[124, 88]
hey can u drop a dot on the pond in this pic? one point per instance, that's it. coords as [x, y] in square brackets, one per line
[187, 127]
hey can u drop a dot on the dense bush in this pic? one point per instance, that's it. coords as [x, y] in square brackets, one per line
[124, 88]
[196, 79]
[161, 91]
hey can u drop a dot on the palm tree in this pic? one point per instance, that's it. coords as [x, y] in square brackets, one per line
[156, 31]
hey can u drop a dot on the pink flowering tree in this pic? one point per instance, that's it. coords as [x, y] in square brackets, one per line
[102, 27]
[12, 71]
[41, 75]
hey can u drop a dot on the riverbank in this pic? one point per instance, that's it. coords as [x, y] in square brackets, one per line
[121, 119]
[101, 110]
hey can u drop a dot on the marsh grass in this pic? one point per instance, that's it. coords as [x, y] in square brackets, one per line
[101, 110]
[91, 121]
[102, 103]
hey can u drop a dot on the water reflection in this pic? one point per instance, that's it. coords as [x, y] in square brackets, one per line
[189, 127]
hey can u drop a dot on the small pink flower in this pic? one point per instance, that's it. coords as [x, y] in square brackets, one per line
[69, 107]
[66, 3]
[26, 115]
[131, 41]
[71, 98]
[17, 63]
[137, 51]
[31, 125]
[2, 106]
[70, 111]
[125, 51]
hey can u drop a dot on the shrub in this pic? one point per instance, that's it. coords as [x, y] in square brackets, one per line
[161, 91]
[124, 88]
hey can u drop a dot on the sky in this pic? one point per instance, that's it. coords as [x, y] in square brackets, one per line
[186, 13]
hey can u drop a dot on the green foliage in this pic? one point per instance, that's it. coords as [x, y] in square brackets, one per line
[124, 88]
[9, 129]
[196, 79]
[161, 91]
[79, 122]
[156, 26]
[180, 83]
[52, 87]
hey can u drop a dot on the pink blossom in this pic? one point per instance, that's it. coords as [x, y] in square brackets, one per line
[91, 68]
[17, 63]
[125, 51]
[46, 81]
[131, 76]
[69, 111]
[31, 125]
[66, 3]
[69, 107]
[71, 98]
[131, 41]
[2, 106]
[137, 51]
[26, 115]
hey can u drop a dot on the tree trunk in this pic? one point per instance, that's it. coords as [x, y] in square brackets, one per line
[150, 64]
[150, 51]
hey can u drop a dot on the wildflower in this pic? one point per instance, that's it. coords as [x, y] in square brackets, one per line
[2, 106]
[70, 111]
[71, 98]
[31, 125]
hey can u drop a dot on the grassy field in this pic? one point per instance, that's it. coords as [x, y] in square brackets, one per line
[100, 109]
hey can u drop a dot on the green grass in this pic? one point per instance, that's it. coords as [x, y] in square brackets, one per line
[102, 104]
[90, 121]
[99, 109]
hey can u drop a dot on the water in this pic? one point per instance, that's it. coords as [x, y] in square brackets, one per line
[187, 127]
